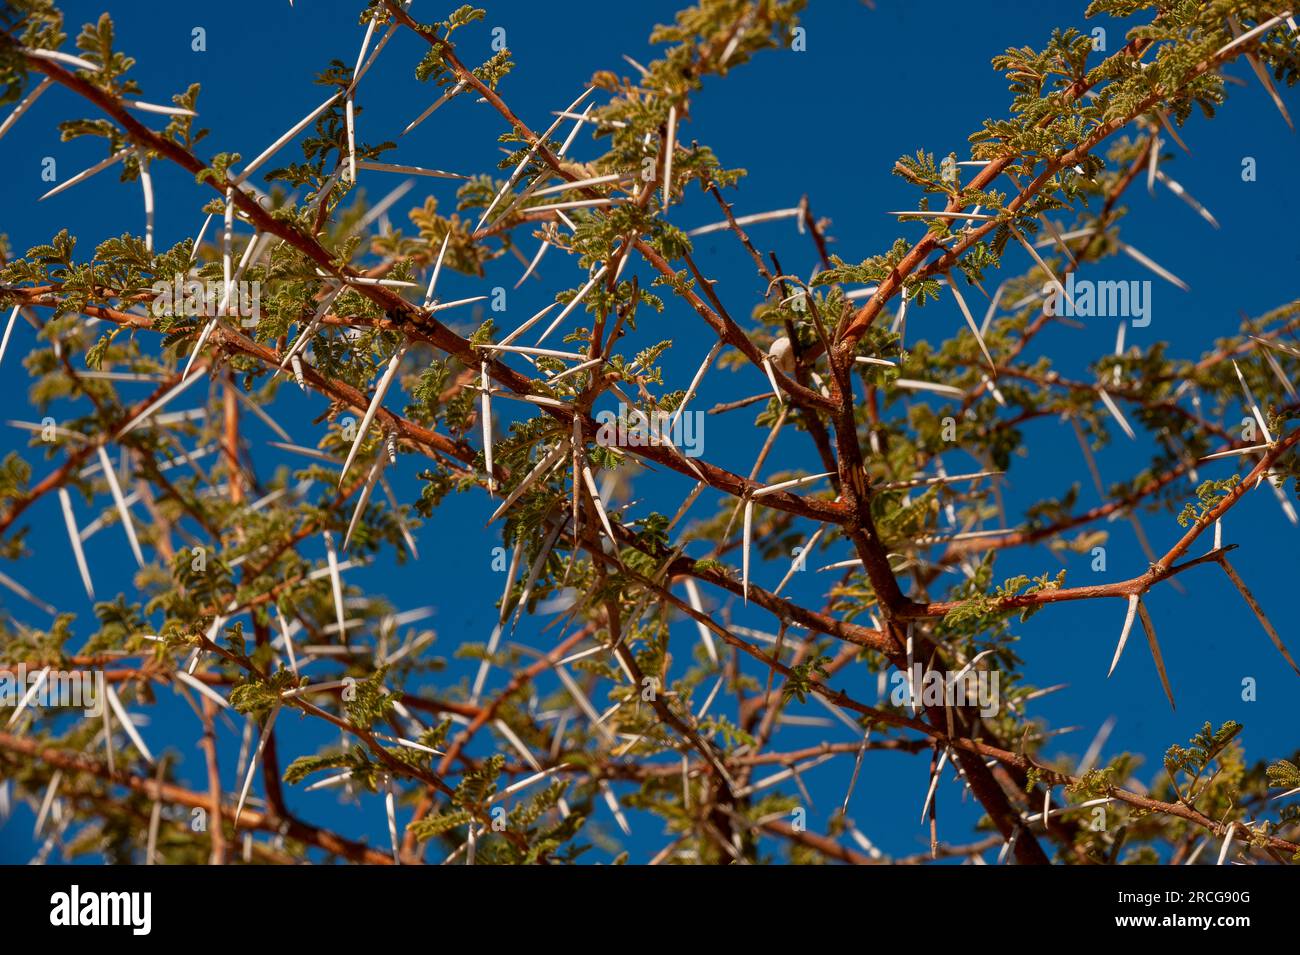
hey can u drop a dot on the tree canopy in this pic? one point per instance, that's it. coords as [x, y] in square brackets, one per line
[618, 677]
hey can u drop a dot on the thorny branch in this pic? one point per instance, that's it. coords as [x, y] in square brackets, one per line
[614, 574]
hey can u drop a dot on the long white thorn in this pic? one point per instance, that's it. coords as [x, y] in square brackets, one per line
[975, 329]
[1149, 626]
[385, 380]
[208, 329]
[397, 515]
[1115, 413]
[800, 561]
[1227, 843]
[156, 108]
[360, 55]
[573, 303]
[912, 384]
[612, 802]
[1153, 163]
[120, 502]
[744, 558]
[436, 103]
[460, 301]
[437, 271]
[668, 155]
[771, 380]
[127, 723]
[1235, 452]
[1262, 75]
[514, 176]
[534, 572]
[541, 251]
[305, 336]
[706, 638]
[1155, 267]
[66, 502]
[993, 308]
[293, 131]
[23, 105]
[695, 382]
[1273, 365]
[146, 186]
[364, 498]
[349, 115]
[1177, 189]
[287, 638]
[379, 48]
[257, 410]
[28, 697]
[336, 583]
[198, 239]
[87, 173]
[1033, 253]
[252, 763]
[934, 784]
[144, 415]
[1258, 611]
[408, 170]
[748, 220]
[486, 399]
[786, 485]
[66, 59]
[11, 584]
[1254, 405]
[201, 688]
[390, 810]
[512, 573]
[580, 184]
[1133, 601]
[857, 765]
[9, 328]
[1252, 33]
[47, 801]
[544, 466]
[600, 506]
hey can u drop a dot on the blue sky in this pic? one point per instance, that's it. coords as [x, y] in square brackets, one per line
[871, 86]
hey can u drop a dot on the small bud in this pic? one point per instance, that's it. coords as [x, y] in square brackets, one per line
[782, 354]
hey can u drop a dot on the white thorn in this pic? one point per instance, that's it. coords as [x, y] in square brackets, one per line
[24, 105]
[116, 490]
[127, 724]
[336, 583]
[668, 155]
[252, 763]
[1133, 601]
[87, 173]
[487, 427]
[385, 380]
[75, 538]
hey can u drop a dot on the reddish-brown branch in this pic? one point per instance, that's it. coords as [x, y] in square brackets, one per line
[249, 819]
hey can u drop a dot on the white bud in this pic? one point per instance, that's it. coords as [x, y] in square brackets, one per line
[782, 354]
